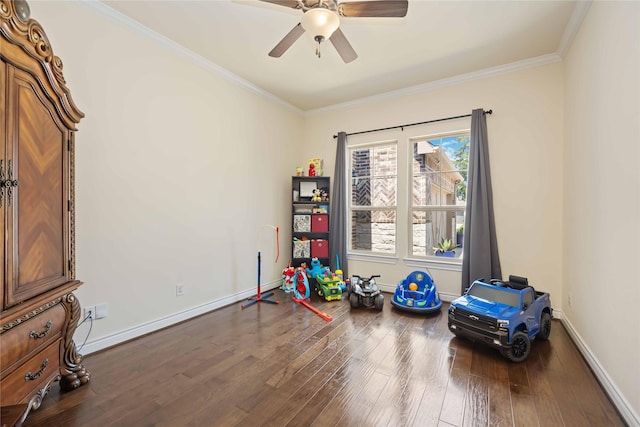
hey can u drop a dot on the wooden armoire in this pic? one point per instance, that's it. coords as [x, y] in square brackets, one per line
[37, 125]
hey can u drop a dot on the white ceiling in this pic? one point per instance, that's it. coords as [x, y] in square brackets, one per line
[436, 40]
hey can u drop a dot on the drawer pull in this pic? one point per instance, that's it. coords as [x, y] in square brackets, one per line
[30, 377]
[37, 335]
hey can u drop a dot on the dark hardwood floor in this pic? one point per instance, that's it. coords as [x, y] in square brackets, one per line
[279, 365]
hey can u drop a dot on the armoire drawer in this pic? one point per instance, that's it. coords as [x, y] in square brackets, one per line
[18, 387]
[27, 338]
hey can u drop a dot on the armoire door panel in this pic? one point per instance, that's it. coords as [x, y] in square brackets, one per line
[38, 154]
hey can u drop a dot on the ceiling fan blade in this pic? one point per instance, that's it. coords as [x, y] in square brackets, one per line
[343, 46]
[287, 41]
[286, 3]
[374, 9]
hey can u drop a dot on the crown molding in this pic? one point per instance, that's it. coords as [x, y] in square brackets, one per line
[135, 26]
[450, 81]
[573, 26]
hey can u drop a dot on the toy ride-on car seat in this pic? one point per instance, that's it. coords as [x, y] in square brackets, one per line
[417, 293]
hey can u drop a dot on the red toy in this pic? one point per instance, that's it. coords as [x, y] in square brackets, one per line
[312, 169]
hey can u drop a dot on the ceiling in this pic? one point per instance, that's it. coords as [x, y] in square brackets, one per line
[436, 40]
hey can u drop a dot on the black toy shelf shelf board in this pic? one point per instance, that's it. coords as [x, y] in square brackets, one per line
[310, 219]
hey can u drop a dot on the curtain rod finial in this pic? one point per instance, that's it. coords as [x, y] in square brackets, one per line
[488, 112]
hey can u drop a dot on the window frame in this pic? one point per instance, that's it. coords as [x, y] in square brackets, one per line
[437, 261]
[368, 255]
[403, 141]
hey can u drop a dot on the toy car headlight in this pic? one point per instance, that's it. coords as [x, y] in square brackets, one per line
[502, 323]
[452, 309]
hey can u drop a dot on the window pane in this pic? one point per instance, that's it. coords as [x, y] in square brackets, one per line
[439, 171]
[431, 227]
[374, 231]
[374, 176]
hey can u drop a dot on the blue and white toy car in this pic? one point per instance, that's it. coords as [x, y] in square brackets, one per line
[505, 315]
[417, 293]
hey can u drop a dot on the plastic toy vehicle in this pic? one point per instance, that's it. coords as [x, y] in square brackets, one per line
[328, 287]
[327, 283]
[417, 293]
[365, 292]
[504, 315]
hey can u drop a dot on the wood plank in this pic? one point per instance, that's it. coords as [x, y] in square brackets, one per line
[283, 365]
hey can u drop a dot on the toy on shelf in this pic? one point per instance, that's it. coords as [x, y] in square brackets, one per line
[365, 293]
[317, 196]
[312, 169]
[327, 283]
[317, 166]
[417, 293]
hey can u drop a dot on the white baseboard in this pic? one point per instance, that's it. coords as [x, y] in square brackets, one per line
[619, 401]
[91, 346]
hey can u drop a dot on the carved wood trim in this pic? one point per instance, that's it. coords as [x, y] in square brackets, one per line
[36, 400]
[32, 39]
[73, 373]
[72, 202]
[33, 313]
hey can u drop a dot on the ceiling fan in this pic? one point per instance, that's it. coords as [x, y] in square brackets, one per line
[322, 19]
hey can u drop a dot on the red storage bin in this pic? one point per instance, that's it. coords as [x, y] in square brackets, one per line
[319, 223]
[320, 249]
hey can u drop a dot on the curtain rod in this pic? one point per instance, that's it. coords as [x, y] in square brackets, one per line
[413, 124]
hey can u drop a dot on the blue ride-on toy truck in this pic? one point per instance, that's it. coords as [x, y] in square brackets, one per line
[505, 315]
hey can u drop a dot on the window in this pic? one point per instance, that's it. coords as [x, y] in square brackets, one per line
[373, 189]
[438, 194]
[410, 216]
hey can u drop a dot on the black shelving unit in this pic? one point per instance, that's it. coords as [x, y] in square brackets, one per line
[310, 219]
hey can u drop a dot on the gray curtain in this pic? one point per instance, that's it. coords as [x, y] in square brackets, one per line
[480, 246]
[338, 208]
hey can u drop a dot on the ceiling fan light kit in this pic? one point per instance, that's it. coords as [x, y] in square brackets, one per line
[322, 19]
[320, 22]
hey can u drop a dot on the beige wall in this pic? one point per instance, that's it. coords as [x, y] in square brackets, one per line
[602, 192]
[177, 172]
[525, 143]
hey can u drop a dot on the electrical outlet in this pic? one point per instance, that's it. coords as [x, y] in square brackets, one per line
[179, 289]
[102, 310]
[90, 312]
